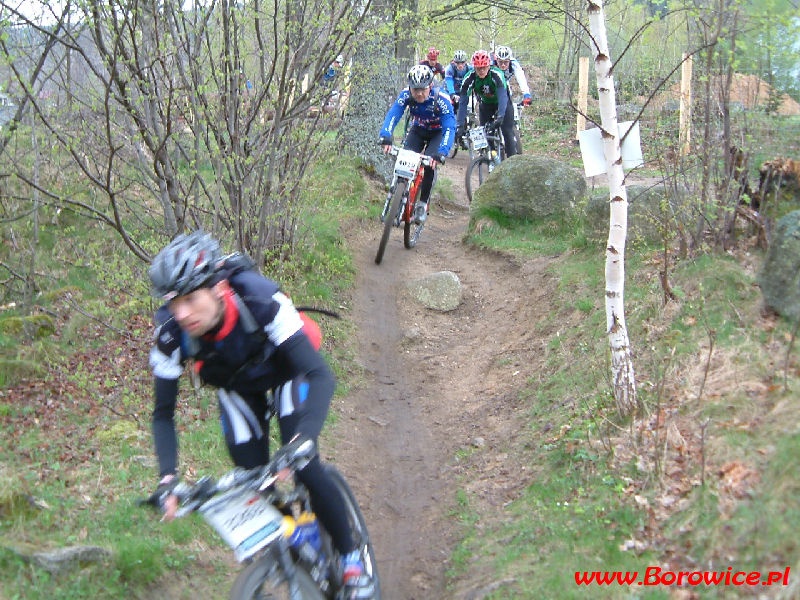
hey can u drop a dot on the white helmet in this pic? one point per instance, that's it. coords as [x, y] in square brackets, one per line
[503, 53]
[420, 76]
[339, 59]
[460, 56]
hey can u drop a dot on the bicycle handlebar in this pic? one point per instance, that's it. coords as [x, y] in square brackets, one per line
[293, 456]
[426, 160]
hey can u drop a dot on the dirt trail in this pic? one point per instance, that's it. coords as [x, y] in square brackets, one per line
[436, 383]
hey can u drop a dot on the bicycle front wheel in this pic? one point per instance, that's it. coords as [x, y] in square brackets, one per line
[389, 218]
[477, 173]
[358, 527]
[264, 578]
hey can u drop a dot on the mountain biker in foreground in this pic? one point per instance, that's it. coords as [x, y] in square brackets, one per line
[432, 126]
[505, 61]
[454, 75]
[245, 337]
[432, 60]
[494, 100]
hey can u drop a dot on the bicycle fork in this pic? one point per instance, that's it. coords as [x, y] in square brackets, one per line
[289, 569]
[386, 205]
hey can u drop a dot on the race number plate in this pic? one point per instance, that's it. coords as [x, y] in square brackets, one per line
[407, 163]
[244, 520]
[478, 137]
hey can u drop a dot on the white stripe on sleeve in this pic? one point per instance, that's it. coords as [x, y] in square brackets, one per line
[286, 323]
[166, 367]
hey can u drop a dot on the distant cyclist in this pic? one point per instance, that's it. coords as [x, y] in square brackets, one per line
[494, 100]
[432, 129]
[432, 60]
[454, 75]
[333, 71]
[505, 61]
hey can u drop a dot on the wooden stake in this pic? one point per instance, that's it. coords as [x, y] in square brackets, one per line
[685, 133]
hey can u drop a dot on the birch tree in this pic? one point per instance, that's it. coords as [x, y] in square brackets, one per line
[621, 360]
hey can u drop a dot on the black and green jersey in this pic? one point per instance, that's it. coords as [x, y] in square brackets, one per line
[491, 90]
[488, 89]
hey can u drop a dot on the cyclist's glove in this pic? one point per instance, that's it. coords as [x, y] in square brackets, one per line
[297, 453]
[497, 124]
[164, 489]
[439, 158]
[526, 100]
[385, 141]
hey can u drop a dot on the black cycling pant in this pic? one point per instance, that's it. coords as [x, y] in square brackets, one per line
[424, 141]
[246, 427]
[486, 113]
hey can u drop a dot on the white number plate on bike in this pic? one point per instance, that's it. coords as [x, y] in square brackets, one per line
[478, 137]
[407, 163]
[244, 520]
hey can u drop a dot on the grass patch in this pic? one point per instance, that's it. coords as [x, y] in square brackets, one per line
[491, 229]
[589, 482]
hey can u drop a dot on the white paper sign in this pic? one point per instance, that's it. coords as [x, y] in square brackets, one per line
[591, 142]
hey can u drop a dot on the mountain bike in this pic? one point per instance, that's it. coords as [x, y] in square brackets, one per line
[248, 509]
[487, 146]
[402, 197]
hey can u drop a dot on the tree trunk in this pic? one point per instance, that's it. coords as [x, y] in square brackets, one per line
[374, 87]
[621, 360]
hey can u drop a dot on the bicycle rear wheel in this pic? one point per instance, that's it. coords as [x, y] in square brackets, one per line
[477, 173]
[358, 527]
[389, 218]
[264, 579]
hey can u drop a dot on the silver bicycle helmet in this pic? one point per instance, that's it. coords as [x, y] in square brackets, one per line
[420, 76]
[503, 53]
[185, 264]
[460, 56]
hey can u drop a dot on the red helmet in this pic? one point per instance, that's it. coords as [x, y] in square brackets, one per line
[433, 53]
[480, 59]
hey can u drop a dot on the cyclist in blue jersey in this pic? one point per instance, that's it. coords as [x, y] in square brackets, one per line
[433, 126]
[505, 61]
[243, 336]
[454, 75]
[333, 71]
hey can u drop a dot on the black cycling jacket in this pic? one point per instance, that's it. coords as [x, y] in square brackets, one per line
[255, 349]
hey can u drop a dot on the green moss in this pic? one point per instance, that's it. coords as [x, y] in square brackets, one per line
[32, 326]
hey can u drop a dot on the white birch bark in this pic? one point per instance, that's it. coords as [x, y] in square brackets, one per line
[621, 360]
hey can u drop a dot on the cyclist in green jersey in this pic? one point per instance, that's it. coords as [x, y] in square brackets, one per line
[494, 107]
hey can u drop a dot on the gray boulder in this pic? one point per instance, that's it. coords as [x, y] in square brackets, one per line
[439, 291]
[646, 213]
[779, 277]
[531, 187]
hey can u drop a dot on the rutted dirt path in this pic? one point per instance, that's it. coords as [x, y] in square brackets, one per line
[435, 383]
